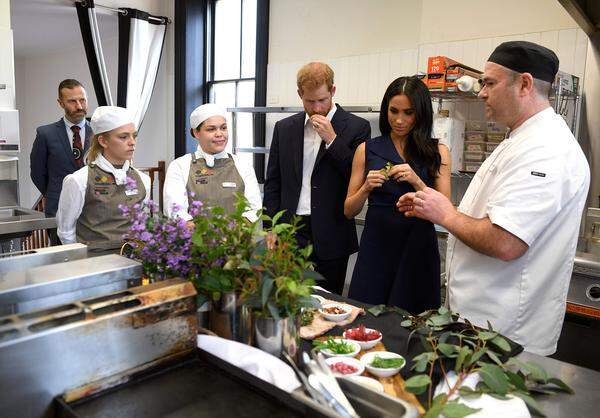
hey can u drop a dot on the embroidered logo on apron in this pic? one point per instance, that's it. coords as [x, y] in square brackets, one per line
[102, 185]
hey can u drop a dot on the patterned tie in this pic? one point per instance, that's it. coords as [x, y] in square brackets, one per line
[77, 148]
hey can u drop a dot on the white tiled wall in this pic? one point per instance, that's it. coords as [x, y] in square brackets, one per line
[362, 79]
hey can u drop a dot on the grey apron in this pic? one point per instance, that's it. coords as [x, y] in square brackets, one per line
[215, 186]
[101, 224]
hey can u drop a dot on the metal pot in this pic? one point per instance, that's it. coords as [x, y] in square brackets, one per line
[203, 315]
[231, 319]
[277, 335]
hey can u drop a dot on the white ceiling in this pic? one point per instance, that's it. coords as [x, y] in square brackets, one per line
[43, 26]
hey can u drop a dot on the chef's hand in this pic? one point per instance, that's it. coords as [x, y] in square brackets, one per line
[427, 204]
[190, 225]
[374, 179]
[404, 172]
[323, 127]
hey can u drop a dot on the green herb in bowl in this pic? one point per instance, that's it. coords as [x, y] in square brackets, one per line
[387, 363]
[334, 346]
[308, 315]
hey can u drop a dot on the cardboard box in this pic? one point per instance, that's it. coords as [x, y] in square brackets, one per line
[442, 73]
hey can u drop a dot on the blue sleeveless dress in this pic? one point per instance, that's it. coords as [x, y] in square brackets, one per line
[398, 260]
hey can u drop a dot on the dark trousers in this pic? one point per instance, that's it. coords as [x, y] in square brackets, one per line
[52, 235]
[334, 270]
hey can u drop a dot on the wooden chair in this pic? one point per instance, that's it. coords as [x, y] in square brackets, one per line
[160, 172]
[38, 238]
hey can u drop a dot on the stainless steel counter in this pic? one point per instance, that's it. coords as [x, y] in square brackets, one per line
[22, 260]
[16, 220]
[585, 383]
[44, 286]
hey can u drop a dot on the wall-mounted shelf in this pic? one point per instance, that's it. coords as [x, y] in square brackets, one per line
[291, 109]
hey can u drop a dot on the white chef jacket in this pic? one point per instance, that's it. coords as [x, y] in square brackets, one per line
[534, 185]
[312, 143]
[72, 196]
[175, 190]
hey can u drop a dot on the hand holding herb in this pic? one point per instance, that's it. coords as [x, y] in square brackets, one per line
[386, 170]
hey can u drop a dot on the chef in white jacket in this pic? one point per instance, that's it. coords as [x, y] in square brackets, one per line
[88, 208]
[210, 174]
[513, 237]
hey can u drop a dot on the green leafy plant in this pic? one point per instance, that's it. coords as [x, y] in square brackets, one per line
[453, 343]
[282, 275]
[222, 247]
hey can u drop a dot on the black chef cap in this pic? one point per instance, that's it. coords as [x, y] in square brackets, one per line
[527, 57]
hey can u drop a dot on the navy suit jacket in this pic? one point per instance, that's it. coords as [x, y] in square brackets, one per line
[52, 159]
[334, 235]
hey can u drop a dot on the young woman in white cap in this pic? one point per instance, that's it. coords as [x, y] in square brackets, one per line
[88, 209]
[210, 174]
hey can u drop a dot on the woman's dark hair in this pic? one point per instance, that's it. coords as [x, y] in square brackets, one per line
[420, 145]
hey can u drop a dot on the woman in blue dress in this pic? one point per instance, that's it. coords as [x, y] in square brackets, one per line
[398, 260]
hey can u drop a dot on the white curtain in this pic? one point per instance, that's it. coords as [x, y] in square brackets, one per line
[141, 39]
[142, 52]
[90, 33]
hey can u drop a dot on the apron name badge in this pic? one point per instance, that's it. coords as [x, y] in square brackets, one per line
[131, 192]
[229, 185]
[538, 174]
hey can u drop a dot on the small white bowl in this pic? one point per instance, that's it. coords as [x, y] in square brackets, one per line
[335, 317]
[319, 298]
[368, 382]
[354, 352]
[346, 360]
[368, 358]
[366, 345]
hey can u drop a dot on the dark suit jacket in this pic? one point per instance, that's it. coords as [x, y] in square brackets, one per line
[334, 236]
[52, 159]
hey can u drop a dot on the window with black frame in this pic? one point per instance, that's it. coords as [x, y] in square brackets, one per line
[232, 79]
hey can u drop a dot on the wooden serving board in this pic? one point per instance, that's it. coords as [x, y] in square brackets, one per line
[394, 385]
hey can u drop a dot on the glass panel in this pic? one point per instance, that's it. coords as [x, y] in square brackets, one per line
[244, 128]
[227, 39]
[248, 38]
[245, 94]
[246, 158]
[224, 95]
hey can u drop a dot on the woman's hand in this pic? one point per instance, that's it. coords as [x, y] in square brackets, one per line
[374, 179]
[404, 172]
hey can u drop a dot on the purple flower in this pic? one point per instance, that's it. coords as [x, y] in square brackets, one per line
[130, 184]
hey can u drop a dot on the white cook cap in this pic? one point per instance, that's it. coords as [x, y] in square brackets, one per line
[107, 118]
[205, 111]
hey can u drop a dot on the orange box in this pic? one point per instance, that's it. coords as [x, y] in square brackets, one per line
[442, 73]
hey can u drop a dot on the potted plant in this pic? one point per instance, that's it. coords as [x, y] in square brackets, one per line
[280, 286]
[221, 248]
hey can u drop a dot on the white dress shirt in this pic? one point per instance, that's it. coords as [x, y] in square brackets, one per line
[81, 125]
[72, 196]
[176, 194]
[534, 185]
[312, 143]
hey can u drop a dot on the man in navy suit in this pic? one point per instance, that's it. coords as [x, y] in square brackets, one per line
[310, 162]
[59, 147]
